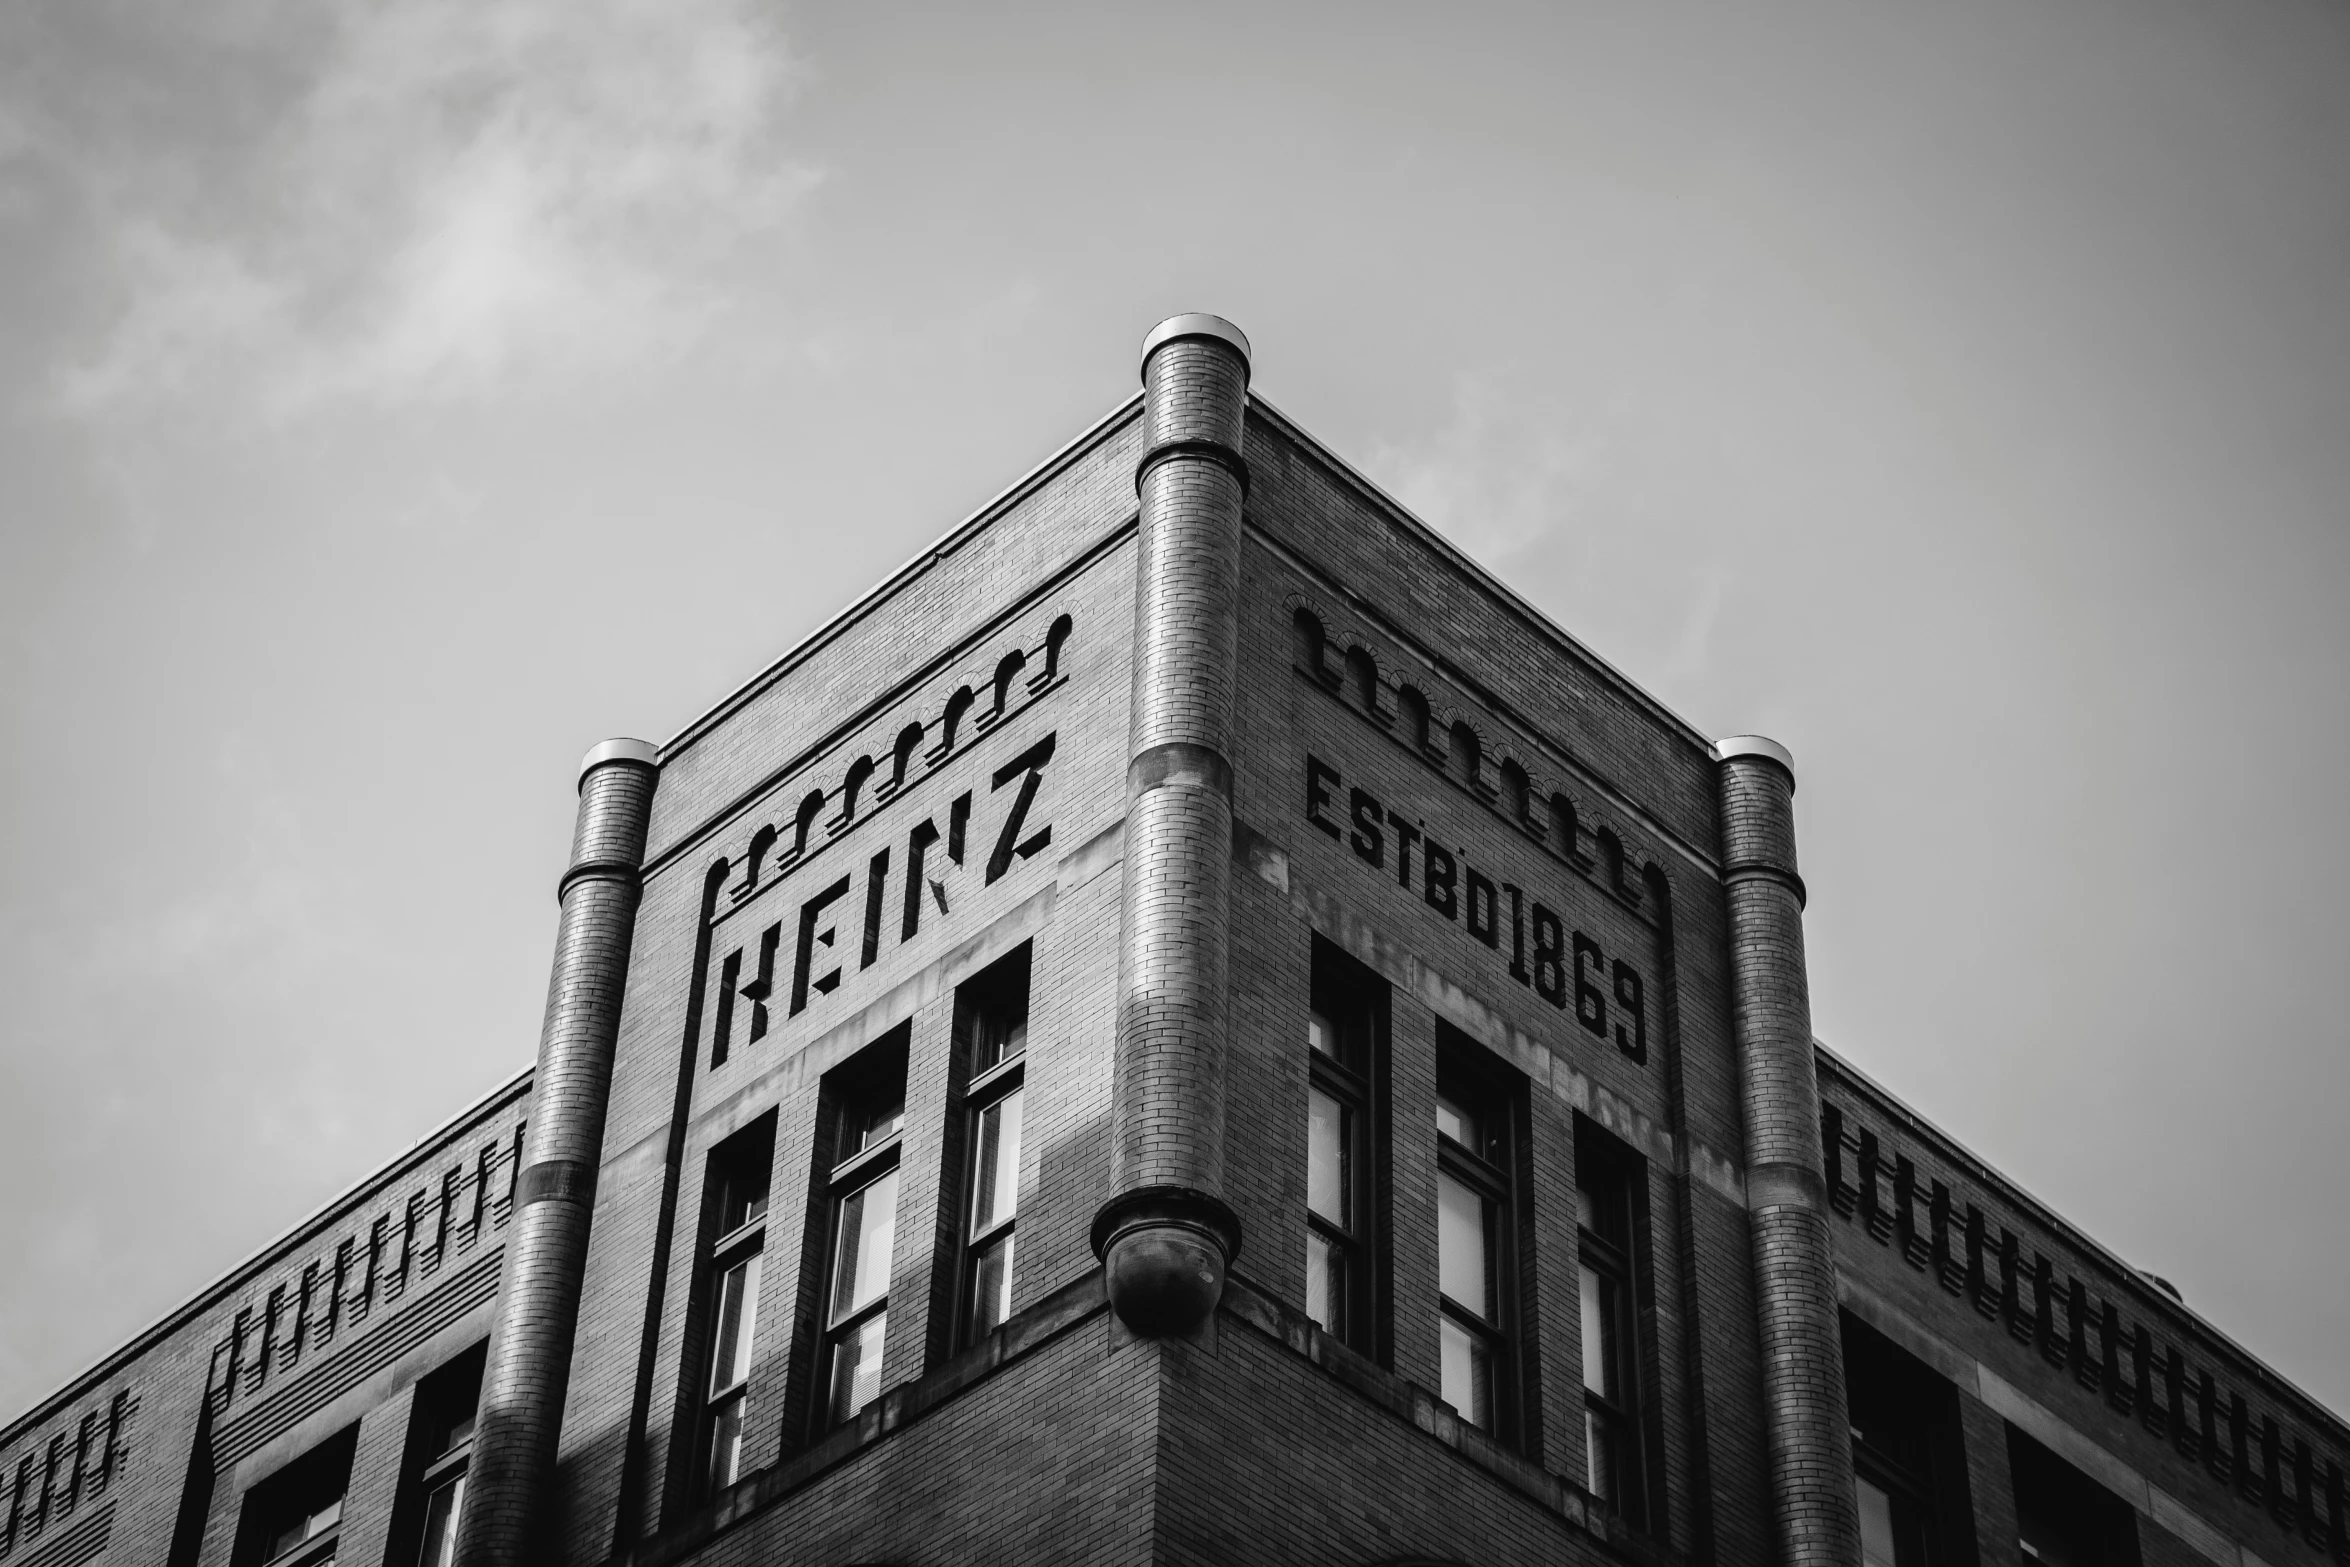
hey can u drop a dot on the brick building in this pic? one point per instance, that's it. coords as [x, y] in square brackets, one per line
[1188, 1025]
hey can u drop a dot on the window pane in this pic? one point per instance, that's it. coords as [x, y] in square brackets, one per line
[1328, 1139]
[1600, 1350]
[868, 1124]
[1462, 1268]
[991, 1287]
[441, 1511]
[856, 1367]
[742, 1197]
[860, 1264]
[1458, 1121]
[726, 1442]
[1877, 1539]
[1599, 1454]
[733, 1315]
[994, 1041]
[1467, 1372]
[995, 1180]
[460, 1432]
[1322, 1035]
[307, 1527]
[1325, 1283]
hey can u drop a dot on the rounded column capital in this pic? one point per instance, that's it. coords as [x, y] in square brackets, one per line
[619, 749]
[1758, 746]
[1197, 324]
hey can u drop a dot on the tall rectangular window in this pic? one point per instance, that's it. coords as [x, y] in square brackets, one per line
[735, 1197]
[1477, 1111]
[991, 1016]
[1346, 1026]
[1610, 1181]
[1908, 1460]
[440, 1449]
[867, 1101]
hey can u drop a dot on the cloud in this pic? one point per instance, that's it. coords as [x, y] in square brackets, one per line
[1504, 471]
[441, 199]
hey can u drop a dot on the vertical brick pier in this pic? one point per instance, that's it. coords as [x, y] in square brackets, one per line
[1804, 1411]
[529, 1366]
[1166, 1235]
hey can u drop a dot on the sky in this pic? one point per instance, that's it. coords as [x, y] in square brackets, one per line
[399, 396]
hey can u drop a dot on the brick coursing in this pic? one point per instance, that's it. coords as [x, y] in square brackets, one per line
[1170, 931]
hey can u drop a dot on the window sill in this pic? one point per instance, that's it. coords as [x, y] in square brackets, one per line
[986, 1083]
[743, 1234]
[319, 1550]
[862, 1164]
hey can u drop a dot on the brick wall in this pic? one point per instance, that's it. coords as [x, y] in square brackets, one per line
[2076, 1346]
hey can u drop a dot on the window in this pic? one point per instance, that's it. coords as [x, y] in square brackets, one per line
[1908, 1460]
[2062, 1517]
[1610, 1182]
[991, 1016]
[1476, 1235]
[1346, 1028]
[440, 1445]
[294, 1518]
[734, 1194]
[867, 1103]
[1892, 1466]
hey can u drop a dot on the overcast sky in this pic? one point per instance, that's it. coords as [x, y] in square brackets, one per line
[397, 396]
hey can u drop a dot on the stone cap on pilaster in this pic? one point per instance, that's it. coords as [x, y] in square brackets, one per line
[620, 749]
[1198, 325]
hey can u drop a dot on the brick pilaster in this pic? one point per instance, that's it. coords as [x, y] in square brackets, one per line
[1166, 1234]
[529, 1366]
[1807, 1430]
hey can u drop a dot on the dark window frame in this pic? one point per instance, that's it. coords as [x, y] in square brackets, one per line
[439, 1451]
[1470, 1075]
[738, 1202]
[1615, 1248]
[1357, 1006]
[993, 1010]
[851, 1156]
[1907, 1442]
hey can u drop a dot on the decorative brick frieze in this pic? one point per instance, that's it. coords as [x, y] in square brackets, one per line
[1456, 736]
[352, 1275]
[778, 841]
[56, 1476]
[257, 1422]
